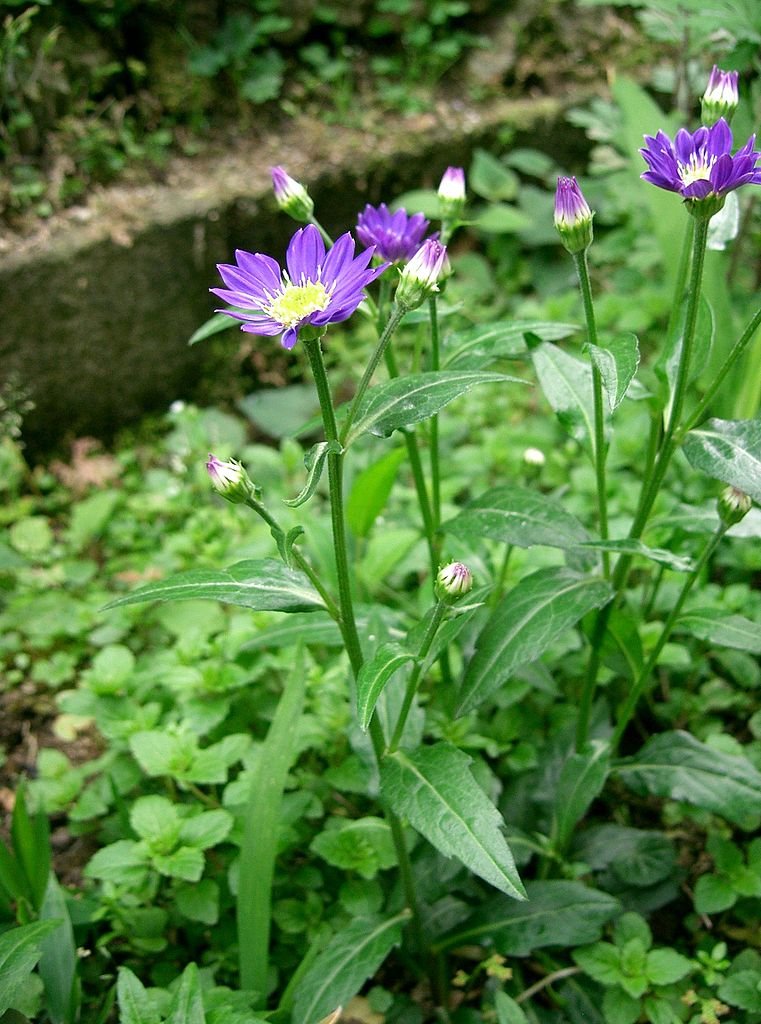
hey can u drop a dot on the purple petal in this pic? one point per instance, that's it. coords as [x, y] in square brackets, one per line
[338, 257]
[720, 138]
[290, 337]
[257, 265]
[306, 250]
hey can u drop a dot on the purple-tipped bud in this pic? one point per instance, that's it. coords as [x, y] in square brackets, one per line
[230, 480]
[573, 217]
[453, 581]
[720, 98]
[452, 193]
[419, 278]
[733, 505]
[291, 196]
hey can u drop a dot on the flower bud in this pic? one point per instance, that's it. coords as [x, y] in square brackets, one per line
[291, 196]
[419, 278]
[453, 581]
[720, 98]
[733, 505]
[573, 217]
[452, 193]
[230, 480]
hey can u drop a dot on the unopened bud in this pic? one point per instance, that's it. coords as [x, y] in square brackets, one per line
[452, 193]
[291, 196]
[453, 581]
[720, 98]
[419, 278]
[573, 217]
[733, 505]
[230, 480]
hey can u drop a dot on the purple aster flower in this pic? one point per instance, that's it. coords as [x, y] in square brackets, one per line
[452, 192]
[419, 279]
[230, 480]
[316, 289]
[573, 217]
[290, 195]
[396, 236]
[699, 165]
[721, 96]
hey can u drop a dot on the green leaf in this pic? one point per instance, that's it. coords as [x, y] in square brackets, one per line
[124, 862]
[601, 961]
[262, 828]
[199, 902]
[730, 451]
[501, 219]
[620, 1007]
[742, 989]
[490, 179]
[518, 516]
[567, 385]
[660, 1011]
[637, 857]
[261, 584]
[20, 949]
[370, 491]
[207, 829]
[314, 461]
[714, 894]
[635, 547]
[135, 1006]
[527, 620]
[477, 346]
[186, 862]
[617, 363]
[365, 846]
[187, 1005]
[581, 780]
[508, 1011]
[216, 323]
[374, 675]
[281, 412]
[665, 966]
[435, 791]
[352, 956]
[555, 914]
[31, 844]
[676, 765]
[715, 626]
[406, 400]
[311, 628]
[58, 965]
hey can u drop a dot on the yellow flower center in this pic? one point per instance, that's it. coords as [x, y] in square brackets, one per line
[295, 302]
[698, 169]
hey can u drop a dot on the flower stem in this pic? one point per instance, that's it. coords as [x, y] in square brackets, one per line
[434, 453]
[325, 236]
[600, 446]
[652, 482]
[627, 711]
[414, 680]
[392, 323]
[737, 350]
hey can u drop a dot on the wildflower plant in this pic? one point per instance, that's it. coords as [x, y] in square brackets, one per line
[484, 631]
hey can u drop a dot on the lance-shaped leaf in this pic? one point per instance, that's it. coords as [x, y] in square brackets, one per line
[722, 630]
[314, 461]
[518, 516]
[629, 546]
[352, 956]
[374, 675]
[261, 584]
[19, 952]
[581, 780]
[676, 765]
[730, 451]
[555, 914]
[617, 363]
[433, 788]
[370, 491]
[309, 628]
[567, 385]
[525, 622]
[406, 400]
[476, 347]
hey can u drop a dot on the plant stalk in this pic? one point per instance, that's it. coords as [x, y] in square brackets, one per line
[414, 680]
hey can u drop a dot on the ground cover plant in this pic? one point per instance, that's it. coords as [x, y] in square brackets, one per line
[468, 728]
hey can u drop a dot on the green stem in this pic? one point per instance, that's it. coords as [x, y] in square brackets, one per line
[499, 589]
[434, 453]
[681, 278]
[414, 680]
[393, 322]
[298, 558]
[739, 347]
[652, 482]
[348, 623]
[325, 236]
[625, 715]
[600, 447]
